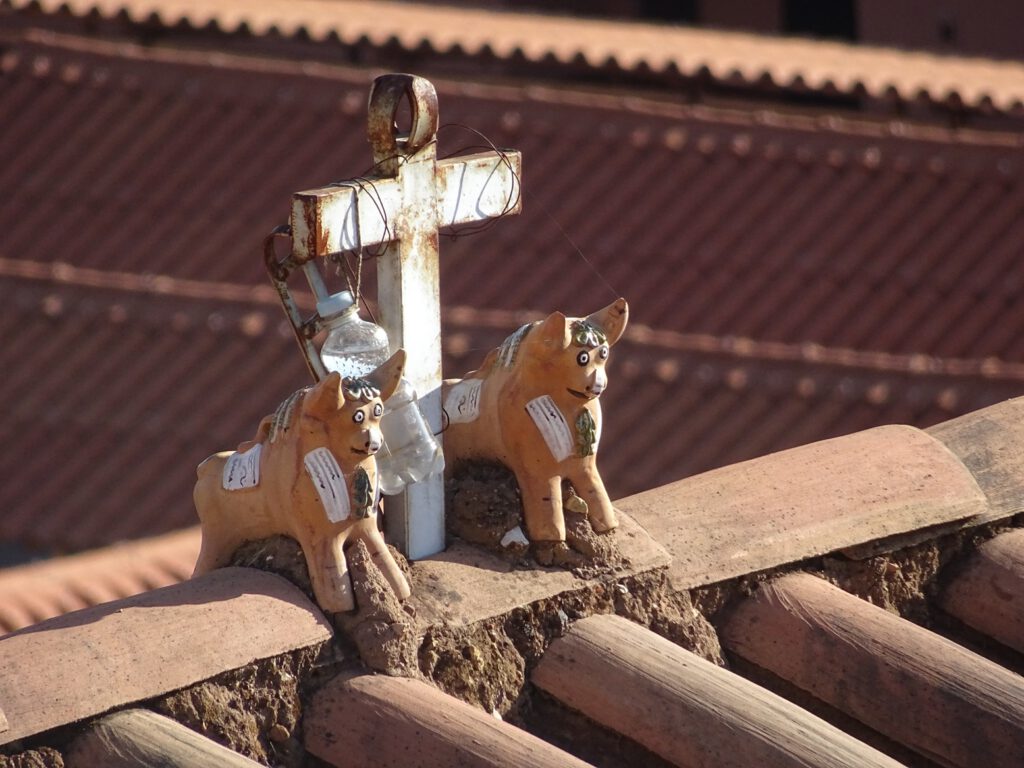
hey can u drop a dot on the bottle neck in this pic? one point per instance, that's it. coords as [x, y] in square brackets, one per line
[343, 317]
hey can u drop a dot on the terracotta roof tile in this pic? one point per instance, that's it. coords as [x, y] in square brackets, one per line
[727, 57]
[906, 682]
[806, 502]
[446, 731]
[683, 708]
[32, 593]
[121, 739]
[59, 671]
[785, 224]
[996, 566]
[924, 692]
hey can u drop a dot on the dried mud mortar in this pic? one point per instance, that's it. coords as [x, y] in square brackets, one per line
[488, 664]
[907, 582]
[381, 627]
[277, 554]
[379, 631]
[484, 506]
[255, 711]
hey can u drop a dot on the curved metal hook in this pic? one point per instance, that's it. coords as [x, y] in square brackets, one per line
[386, 96]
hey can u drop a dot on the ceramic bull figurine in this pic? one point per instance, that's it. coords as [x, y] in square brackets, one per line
[310, 473]
[533, 406]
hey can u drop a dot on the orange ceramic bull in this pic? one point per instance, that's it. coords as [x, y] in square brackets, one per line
[533, 406]
[310, 473]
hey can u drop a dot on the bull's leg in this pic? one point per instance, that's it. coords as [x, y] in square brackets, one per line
[590, 488]
[542, 506]
[382, 558]
[328, 571]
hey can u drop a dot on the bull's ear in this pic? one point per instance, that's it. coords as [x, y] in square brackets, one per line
[386, 377]
[554, 330]
[612, 319]
[326, 397]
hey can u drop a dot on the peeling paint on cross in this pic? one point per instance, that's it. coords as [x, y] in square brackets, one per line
[410, 197]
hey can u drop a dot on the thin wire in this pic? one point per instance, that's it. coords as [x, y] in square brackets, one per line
[579, 251]
[514, 195]
[366, 184]
[512, 202]
[341, 262]
[359, 274]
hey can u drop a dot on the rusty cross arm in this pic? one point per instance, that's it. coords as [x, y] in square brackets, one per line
[404, 205]
[351, 214]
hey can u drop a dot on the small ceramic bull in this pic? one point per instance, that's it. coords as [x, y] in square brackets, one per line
[310, 473]
[533, 406]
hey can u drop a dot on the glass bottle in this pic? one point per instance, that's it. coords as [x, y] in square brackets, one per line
[355, 347]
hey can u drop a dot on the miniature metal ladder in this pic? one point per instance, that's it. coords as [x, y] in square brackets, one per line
[410, 196]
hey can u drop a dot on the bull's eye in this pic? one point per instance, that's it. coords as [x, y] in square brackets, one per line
[358, 417]
[603, 353]
[583, 357]
[378, 409]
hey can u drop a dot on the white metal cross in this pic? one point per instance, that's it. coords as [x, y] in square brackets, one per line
[410, 196]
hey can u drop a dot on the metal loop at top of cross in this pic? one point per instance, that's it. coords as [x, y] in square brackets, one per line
[402, 205]
[389, 146]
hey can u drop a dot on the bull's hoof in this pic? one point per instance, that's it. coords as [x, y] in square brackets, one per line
[549, 553]
[603, 526]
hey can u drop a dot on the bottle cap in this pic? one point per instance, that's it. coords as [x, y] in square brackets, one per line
[334, 304]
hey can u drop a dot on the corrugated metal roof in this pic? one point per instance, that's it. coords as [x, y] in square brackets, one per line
[142, 334]
[726, 56]
[765, 208]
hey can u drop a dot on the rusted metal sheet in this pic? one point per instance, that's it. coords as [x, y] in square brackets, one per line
[404, 204]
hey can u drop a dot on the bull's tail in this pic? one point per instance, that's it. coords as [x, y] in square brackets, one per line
[217, 545]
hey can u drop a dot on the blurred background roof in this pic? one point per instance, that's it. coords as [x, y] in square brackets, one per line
[815, 236]
[727, 56]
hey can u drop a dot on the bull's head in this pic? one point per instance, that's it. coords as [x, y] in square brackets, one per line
[353, 406]
[576, 350]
